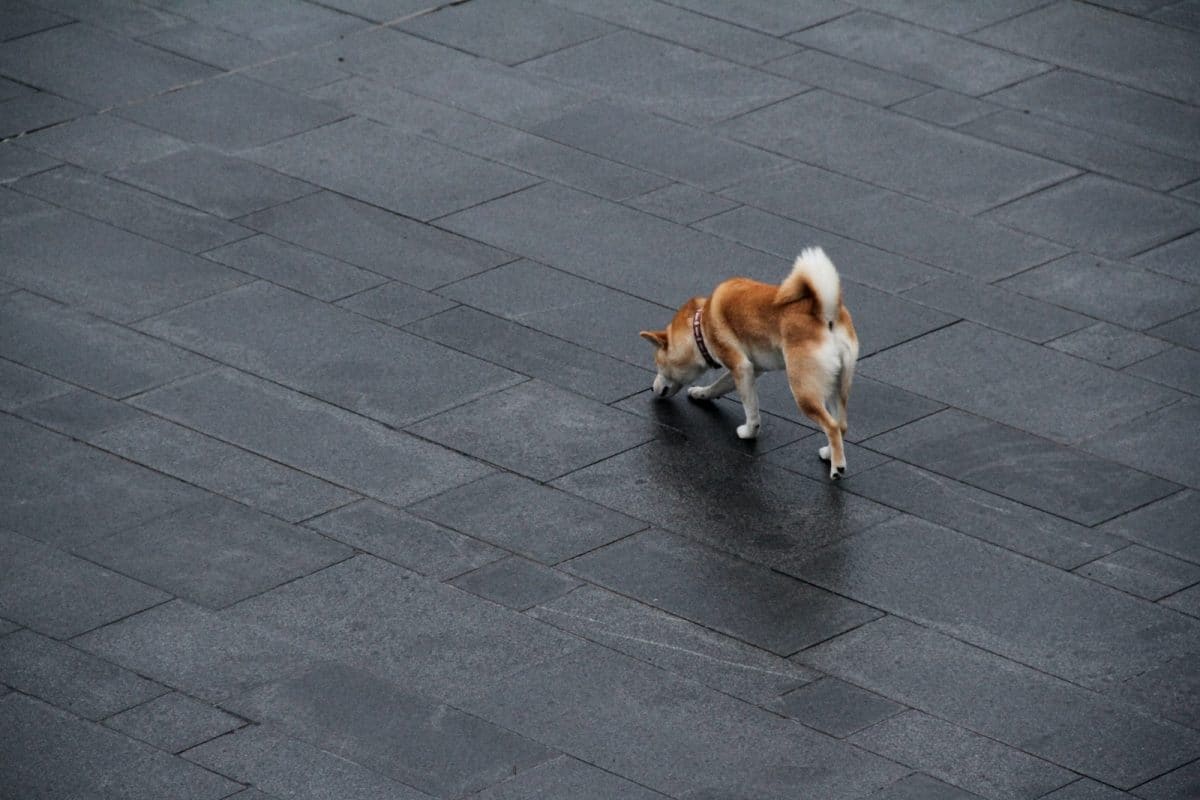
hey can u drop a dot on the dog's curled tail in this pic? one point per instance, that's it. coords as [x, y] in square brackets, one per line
[813, 275]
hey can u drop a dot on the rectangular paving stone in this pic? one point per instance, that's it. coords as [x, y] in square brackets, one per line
[920, 53]
[1104, 43]
[534, 429]
[402, 173]
[36, 110]
[70, 679]
[292, 24]
[771, 18]
[214, 182]
[79, 413]
[998, 308]
[1044, 716]
[673, 735]
[981, 514]
[1056, 396]
[1109, 345]
[216, 552]
[1084, 149]
[123, 19]
[1063, 481]
[960, 757]
[21, 386]
[1176, 785]
[1176, 258]
[104, 142]
[529, 352]
[516, 582]
[1178, 368]
[83, 63]
[297, 72]
[713, 589]
[1183, 330]
[918, 786]
[673, 644]
[504, 94]
[681, 203]
[1164, 525]
[1142, 572]
[389, 56]
[1082, 632]
[850, 78]
[567, 777]
[174, 722]
[835, 707]
[668, 148]
[944, 107]
[712, 423]
[381, 726]
[745, 506]
[23, 19]
[17, 162]
[131, 209]
[293, 429]
[208, 45]
[295, 267]
[396, 304]
[231, 113]
[346, 359]
[949, 15]
[669, 80]
[801, 457]
[1087, 789]
[883, 320]
[432, 639]
[49, 753]
[526, 517]
[941, 166]
[404, 539]
[374, 239]
[1159, 443]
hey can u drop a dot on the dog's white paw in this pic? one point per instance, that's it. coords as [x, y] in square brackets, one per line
[836, 473]
[698, 392]
[823, 453]
[747, 431]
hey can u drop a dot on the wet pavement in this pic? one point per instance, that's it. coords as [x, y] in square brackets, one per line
[330, 467]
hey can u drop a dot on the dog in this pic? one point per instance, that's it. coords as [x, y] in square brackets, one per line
[748, 327]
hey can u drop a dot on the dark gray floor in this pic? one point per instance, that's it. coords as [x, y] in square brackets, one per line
[330, 468]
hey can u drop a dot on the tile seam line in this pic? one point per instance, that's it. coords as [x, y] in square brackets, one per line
[1164, 243]
[782, 36]
[1078, 172]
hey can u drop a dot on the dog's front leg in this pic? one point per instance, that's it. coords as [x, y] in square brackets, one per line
[743, 377]
[718, 388]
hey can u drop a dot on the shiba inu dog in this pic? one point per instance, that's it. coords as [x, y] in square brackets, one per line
[748, 327]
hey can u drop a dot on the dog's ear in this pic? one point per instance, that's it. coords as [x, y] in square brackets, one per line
[656, 338]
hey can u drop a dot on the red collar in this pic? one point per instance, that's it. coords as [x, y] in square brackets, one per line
[699, 334]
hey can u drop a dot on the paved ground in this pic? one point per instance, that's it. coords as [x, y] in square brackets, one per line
[330, 469]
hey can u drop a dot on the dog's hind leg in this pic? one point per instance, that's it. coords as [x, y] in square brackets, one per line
[810, 392]
[718, 388]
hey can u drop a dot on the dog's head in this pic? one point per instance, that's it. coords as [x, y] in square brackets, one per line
[676, 355]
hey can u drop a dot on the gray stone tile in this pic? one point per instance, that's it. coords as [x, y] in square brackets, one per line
[673, 644]
[216, 553]
[997, 307]
[79, 413]
[36, 110]
[292, 24]
[1142, 572]
[65, 493]
[103, 142]
[231, 113]
[922, 787]
[1083, 632]
[22, 19]
[369, 237]
[1177, 259]
[402, 173]
[757, 510]
[209, 45]
[528, 518]
[432, 639]
[405, 540]
[298, 72]
[920, 53]
[535, 429]
[884, 320]
[941, 166]
[647, 142]
[293, 429]
[1084, 149]
[1087, 789]
[713, 423]
[373, 722]
[68, 678]
[17, 162]
[10, 89]
[673, 735]
[20, 386]
[943, 107]
[1125, 114]
[390, 56]
[1189, 192]
[60, 595]
[895, 223]
[972, 368]
[88, 65]
[769, 17]
[1109, 345]
[296, 268]
[1184, 331]
[508, 31]
[516, 582]
[127, 20]
[1184, 14]
[132, 209]
[49, 753]
[1009, 462]
[850, 78]
[1044, 716]
[214, 182]
[1164, 525]
[836, 707]
[949, 15]
[1177, 785]
[743, 600]
[174, 722]
[512, 96]
[567, 777]
[1159, 443]
[1111, 45]
[961, 758]
[87, 350]
[669, 80]
[981, 514]
[532, 353]
[801, 457]
[681, 203]
[396, 304]
[1178, 368]
[287, 767]
[697, 31]
[371, 368]
[785, 238]
[1120, 220]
